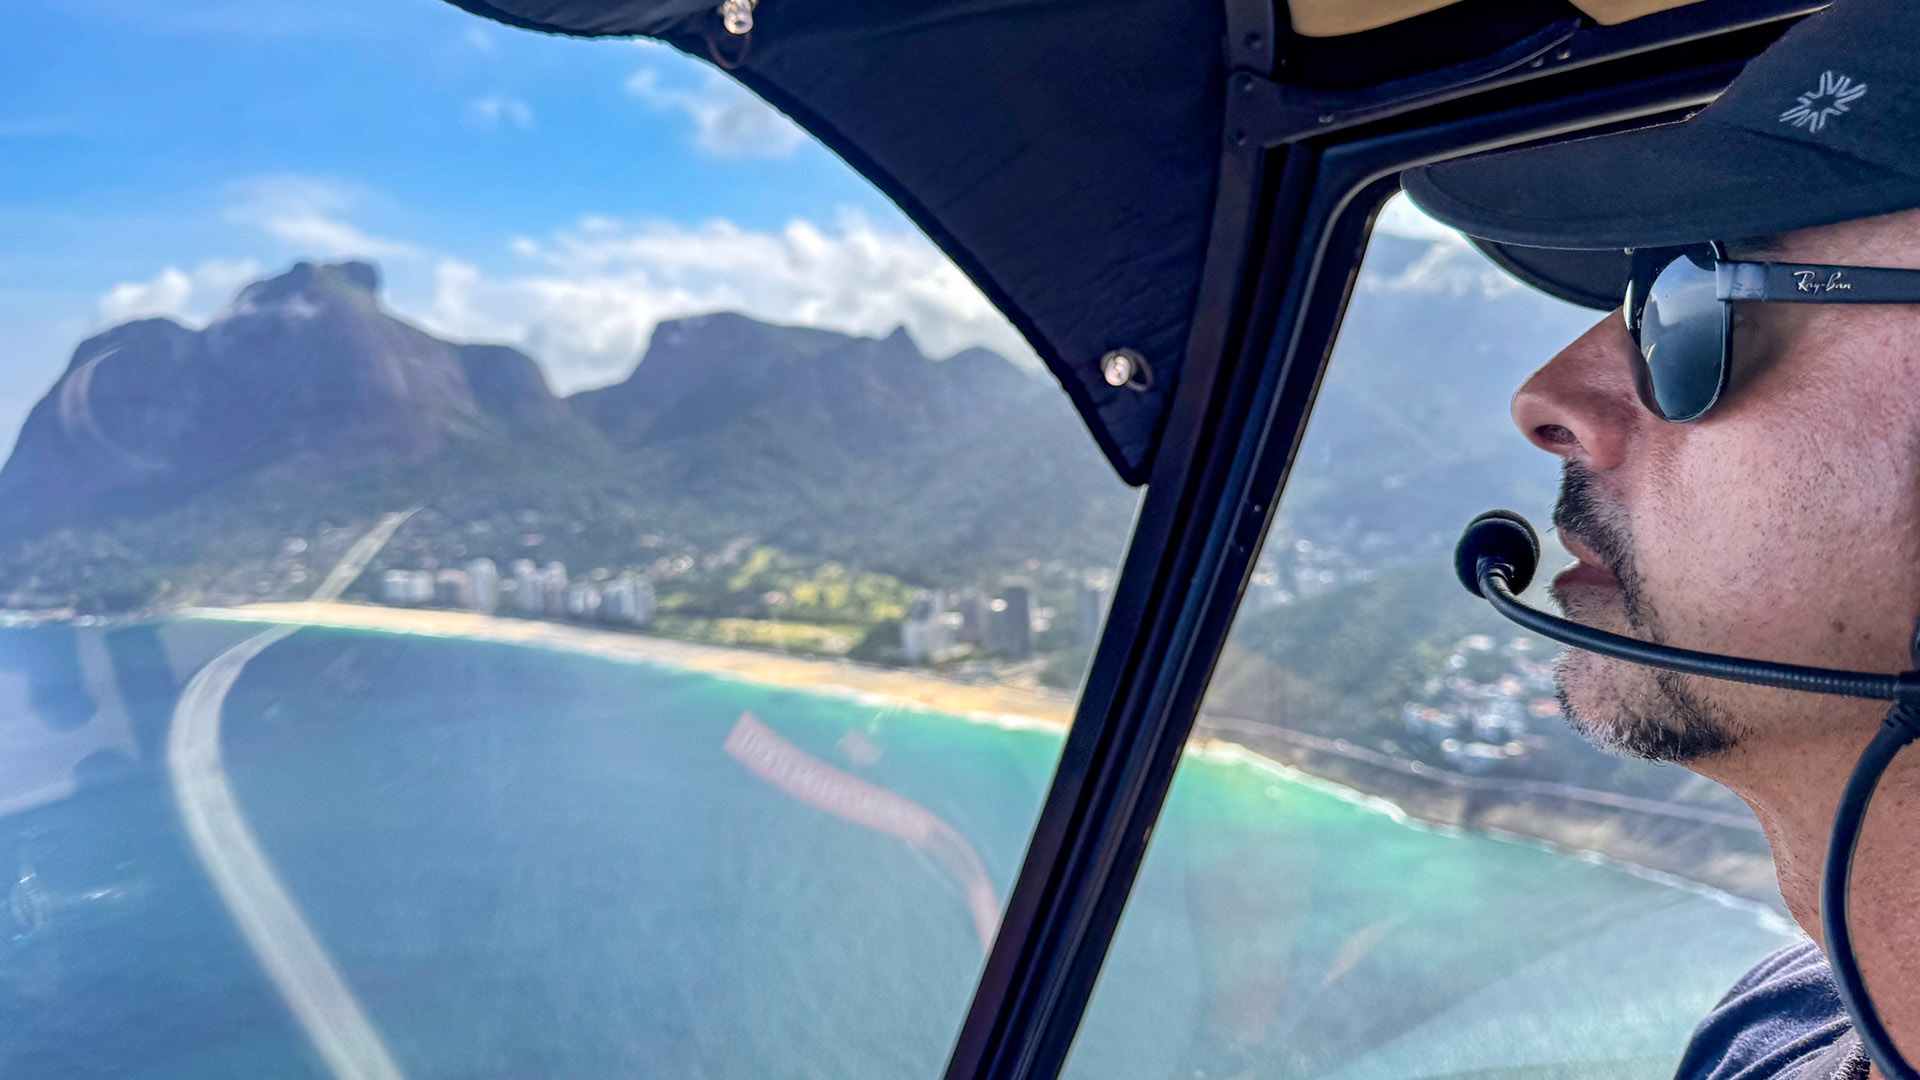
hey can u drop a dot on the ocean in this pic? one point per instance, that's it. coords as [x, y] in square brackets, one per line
[515, 862]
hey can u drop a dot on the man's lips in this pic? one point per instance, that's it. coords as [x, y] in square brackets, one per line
[1589, 572]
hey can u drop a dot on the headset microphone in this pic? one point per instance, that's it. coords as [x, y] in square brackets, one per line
[1495, 560]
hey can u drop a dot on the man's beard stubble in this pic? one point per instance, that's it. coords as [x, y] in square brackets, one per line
[1659, 717]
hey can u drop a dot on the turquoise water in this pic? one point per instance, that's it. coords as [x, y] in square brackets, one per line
[531, 864]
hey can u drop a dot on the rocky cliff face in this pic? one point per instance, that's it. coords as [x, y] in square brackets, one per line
[724, 407]
[712, 374]
[306, 399]
[305, 363]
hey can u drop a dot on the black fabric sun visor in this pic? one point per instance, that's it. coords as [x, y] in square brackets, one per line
[1063, 155]
[1823, 127]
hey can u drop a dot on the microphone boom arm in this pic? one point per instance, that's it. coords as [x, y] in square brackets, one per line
[1495, 560]
[1495, 585]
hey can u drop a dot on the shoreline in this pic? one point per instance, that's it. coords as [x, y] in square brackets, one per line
[1004, 706]
[1596, 826]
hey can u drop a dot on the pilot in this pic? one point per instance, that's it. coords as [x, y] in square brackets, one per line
[1741, 449]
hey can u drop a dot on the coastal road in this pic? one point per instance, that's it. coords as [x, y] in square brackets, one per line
[268, 917]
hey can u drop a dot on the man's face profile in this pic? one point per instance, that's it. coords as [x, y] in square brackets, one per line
[1782, 526]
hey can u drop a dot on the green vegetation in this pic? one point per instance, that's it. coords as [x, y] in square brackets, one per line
[1343, 662]
[810, 638]
[766, 583]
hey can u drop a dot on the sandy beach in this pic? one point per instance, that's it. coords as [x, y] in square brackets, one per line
[1005, 705]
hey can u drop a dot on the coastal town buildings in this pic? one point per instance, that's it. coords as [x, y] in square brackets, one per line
[527, 587]
[973, 610]
[1480, 715]
[627, 599]
[529, 590]
[454, 589]
[406, 587]
[929, 633]
[1091, 595]
[1010, 624]
[485, 577]
[583, 601]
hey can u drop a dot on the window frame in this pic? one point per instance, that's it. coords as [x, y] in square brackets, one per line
[1230, 439]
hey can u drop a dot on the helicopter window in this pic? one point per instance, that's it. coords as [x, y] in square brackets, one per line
[1385, 856]
[513, 562]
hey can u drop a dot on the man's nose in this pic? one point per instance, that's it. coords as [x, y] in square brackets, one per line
[1582, 404]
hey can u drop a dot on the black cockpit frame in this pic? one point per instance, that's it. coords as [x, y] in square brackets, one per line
[1302, 176]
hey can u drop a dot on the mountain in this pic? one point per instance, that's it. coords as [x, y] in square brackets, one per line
[305, 364]
[306, 404]
[1391, 449]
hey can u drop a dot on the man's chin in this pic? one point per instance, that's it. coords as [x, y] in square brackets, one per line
[1637, 711]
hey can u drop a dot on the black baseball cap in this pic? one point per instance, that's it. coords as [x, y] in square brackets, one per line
[1822, 127]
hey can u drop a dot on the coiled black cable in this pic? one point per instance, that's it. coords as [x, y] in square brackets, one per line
[1900, 728]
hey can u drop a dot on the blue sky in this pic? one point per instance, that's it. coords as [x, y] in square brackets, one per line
[155, 155]
[222, 139]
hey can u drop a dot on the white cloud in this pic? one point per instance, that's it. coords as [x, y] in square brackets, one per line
[498, 111]
[728, 119]
[189, 296]
[589, 297]
[1448, 267]
[1400, 217]
[309, 214]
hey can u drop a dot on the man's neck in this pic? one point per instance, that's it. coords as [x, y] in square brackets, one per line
[1794, 791]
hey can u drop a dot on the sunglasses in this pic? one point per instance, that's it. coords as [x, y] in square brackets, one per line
[1679, 311]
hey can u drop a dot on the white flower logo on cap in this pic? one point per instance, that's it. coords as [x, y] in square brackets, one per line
[1824, 102]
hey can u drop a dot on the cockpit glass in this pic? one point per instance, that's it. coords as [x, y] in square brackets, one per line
[514, 562]
[1385, 855]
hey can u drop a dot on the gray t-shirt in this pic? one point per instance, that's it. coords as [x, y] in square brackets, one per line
[1782, 1021]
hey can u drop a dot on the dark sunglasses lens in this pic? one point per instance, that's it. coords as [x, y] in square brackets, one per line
[1680, 338]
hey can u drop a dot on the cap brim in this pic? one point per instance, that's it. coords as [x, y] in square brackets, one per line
[1676, 183]
[1595, 279]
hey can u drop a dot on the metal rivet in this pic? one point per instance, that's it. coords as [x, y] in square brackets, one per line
[1244, 82]
[1126, 367]
[737, 16]
[1565, 54]
[1239, 138]
[1326, 118]
[1253, 41]
[1538, 61]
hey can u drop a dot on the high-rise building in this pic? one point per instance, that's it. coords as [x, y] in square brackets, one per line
[1090, 600]
[393, 587]
[583, 600]
[554, 588]
[974, 616]
[1010, 624]
[627, 600]
[642, 600]
[486, 584]
[529, 588]
[453, 588]
[926, 633]
[406, 587]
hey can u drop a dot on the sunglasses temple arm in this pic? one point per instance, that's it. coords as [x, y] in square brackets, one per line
[1813, 283]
